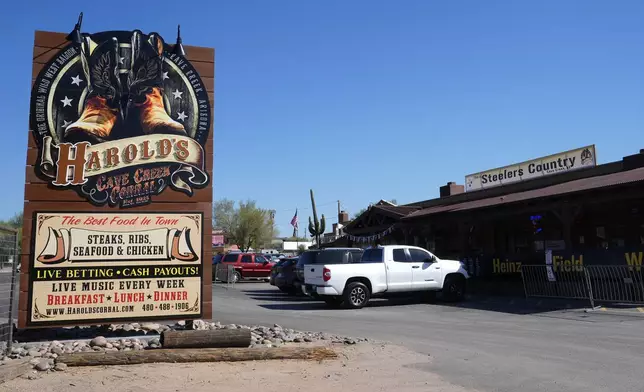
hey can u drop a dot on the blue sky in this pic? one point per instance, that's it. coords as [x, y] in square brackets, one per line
[362, 100]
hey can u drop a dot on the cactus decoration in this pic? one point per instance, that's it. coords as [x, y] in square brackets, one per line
[316, 227]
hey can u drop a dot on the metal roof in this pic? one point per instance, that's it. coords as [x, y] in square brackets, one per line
[580, 185]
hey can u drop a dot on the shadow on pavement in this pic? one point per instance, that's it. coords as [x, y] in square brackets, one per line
[519, 305]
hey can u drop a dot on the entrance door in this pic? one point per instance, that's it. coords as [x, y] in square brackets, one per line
[426, 273]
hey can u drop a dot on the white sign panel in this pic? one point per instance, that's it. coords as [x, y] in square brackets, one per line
[552, 164]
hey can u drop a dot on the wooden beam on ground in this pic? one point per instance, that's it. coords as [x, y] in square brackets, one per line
[206, 338]
[195, 355]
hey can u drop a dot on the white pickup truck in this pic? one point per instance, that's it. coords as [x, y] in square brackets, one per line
[384, 270]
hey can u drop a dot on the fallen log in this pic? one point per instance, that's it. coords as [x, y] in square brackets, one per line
[206, 338]
[195, 355]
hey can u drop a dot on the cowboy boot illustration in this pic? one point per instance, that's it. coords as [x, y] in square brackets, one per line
[101, 110]
[145, 82]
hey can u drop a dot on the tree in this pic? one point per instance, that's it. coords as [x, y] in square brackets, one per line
[6, 240]
[301, 249]
[244, 225]
[362, 210]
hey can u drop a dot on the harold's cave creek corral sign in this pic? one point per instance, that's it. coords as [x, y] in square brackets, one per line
[119, 118]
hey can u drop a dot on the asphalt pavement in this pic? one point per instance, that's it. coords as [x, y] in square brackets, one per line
[483, 344]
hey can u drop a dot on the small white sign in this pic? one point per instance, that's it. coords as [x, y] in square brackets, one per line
[558, 163]
[549, 271]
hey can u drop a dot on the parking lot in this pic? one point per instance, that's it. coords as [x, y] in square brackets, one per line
[488, 344]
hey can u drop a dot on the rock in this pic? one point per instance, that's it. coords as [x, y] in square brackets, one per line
[136, 325]
[42, 366]
[98, 341]
[137, 346]
[34, 362]
[349, 341]
[308, 339]
[97, 348]
[181, 323]
[34, 353]
[109, 345]
[298, 340]
[276, 341]
[57, 350]
[128, 327]
[150, 326]
[199, 325]
[60, 367]
[32, 377]
[154, 345]
[266, 341]
[155, 341]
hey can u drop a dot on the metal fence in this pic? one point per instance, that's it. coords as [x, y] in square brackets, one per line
[543, 281]
[9, 264]
[603, 283]
[224, 274]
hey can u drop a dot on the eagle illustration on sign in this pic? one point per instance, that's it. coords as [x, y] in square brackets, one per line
[119, 117]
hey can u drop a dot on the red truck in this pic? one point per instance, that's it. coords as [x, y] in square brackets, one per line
[248, 265]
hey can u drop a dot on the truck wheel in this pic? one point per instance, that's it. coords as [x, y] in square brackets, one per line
[356, 295]
[236, 277]
[454, 288]
[333, 301]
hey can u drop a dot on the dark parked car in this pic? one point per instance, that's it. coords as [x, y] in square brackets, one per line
[285, 278]
[274, 271]
[325, 256]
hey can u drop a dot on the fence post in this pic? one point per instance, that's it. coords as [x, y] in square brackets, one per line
[525, 290]
[590, 289]
[12, 294]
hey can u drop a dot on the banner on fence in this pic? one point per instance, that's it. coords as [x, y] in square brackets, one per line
[108, 267]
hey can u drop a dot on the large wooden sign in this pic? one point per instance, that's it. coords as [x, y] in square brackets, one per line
[109, 267]
[119, 181]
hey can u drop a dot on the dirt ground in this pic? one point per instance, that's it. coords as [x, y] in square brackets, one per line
[372, 367]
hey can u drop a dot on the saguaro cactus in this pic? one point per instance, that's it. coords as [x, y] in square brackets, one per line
[316, 227]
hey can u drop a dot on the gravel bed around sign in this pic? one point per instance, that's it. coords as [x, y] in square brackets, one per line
[145, 337]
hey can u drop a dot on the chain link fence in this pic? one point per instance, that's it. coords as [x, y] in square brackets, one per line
[9, 267]
[224, 275]
[603, 283]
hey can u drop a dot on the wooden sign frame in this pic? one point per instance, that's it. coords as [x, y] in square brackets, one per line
[42, 196]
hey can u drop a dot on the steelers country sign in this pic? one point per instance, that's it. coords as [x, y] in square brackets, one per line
[119, 118]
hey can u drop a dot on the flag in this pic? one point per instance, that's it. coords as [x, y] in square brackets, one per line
[294, 220]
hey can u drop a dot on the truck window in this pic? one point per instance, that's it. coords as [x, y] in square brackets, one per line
[356, 256]
[230, 258]
[247, 259]
[400, 255]
[418, 256]
[307, 258]
[372, 256]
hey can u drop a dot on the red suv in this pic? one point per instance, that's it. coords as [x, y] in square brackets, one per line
[248, 265]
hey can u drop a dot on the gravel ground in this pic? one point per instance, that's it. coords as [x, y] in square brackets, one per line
[44, 354]
[367, 366]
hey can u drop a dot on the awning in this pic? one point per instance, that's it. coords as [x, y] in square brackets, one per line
[584, 184]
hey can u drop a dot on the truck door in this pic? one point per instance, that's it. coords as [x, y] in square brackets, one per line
[425, 273]
[248, 266]
[399, 275]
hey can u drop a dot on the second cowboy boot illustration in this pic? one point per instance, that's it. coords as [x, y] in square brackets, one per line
[145, 81]
[101, 110]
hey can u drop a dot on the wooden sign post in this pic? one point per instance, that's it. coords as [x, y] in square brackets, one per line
[118, 209]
